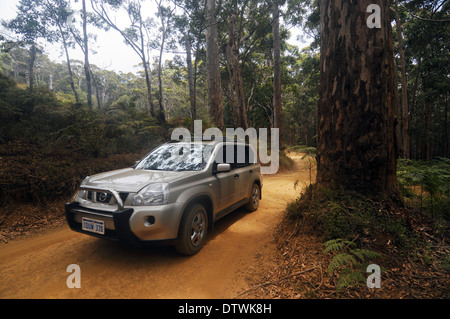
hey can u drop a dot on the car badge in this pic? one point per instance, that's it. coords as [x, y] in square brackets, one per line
[102, 197]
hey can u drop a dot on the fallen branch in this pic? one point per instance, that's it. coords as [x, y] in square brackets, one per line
[321, 277]
[272, 282]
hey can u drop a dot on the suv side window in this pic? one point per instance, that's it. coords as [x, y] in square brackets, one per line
[225, 156]
[244, 155]
[236, 155]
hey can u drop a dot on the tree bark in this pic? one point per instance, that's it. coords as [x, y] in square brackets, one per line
[148, 83]
[161, 115]
[190, 77]
[405, 152]
[356, 111]
[233, 56]
[446, 139]
[231, 91]
[164, 26]
[86, 58]
[212, 64]
[141, 53]
[427, 137]
[97, 91]
[31, 67]
[277, 107]
[69, 68]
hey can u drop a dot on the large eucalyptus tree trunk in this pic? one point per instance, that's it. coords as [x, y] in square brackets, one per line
[356, 111]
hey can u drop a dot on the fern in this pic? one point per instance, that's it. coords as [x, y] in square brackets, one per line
[309, 151]
[348, 262]
[433, 180]
[336, 245]
[349, 278]
[341, 260]
[362, 254]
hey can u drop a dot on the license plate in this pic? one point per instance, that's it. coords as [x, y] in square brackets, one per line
[93, 225]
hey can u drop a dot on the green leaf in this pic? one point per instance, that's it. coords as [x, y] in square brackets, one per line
[348, 278]
[341, 260]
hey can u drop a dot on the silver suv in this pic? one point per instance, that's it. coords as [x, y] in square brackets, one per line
[171, 196]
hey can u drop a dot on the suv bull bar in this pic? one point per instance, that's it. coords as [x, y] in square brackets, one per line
[119, 217]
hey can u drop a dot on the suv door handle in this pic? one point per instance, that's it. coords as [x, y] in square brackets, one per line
[236, 176]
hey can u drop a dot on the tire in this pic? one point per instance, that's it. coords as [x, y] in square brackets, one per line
[193, 230]
[255, 195]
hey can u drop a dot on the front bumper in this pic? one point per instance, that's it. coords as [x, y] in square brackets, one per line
[137, 225]
[116, 223]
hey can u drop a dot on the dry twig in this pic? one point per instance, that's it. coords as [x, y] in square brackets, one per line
[273, 282]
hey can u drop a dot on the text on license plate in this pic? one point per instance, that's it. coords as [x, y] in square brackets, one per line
[93, 225]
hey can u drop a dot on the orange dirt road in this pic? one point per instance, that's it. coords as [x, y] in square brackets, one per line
[35, 267]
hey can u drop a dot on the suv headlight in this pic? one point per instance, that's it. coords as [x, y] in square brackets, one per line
[151, 195]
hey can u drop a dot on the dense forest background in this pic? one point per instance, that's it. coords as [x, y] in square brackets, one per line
[63, 120]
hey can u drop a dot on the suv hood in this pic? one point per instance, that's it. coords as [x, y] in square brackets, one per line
[132, 180]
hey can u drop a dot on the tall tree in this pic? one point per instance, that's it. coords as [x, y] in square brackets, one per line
[82, 40]
[277, 107]
[405, 144]
[58, 12]
[356, 110]
[165, 16]
[427, 39]
[191, 25]
[233, 46]
[246, 39]
[87, 69]
[213, 68]
[192, 99]
[30, 26]
[135, 35]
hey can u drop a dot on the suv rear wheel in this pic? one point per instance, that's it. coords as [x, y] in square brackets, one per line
[193, 230]
[255, 195]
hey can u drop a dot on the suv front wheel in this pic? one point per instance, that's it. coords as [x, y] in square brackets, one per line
[193, 229]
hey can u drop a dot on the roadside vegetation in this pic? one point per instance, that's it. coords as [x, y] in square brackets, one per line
[337, 233]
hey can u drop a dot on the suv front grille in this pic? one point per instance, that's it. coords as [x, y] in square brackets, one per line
[104, 197]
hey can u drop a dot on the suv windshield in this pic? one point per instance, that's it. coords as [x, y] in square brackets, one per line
[177, 157]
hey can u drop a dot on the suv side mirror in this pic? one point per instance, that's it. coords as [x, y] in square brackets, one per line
[223, 168]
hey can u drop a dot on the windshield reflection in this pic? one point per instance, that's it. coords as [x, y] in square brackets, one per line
[177, 157]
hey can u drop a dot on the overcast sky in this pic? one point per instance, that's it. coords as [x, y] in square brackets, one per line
[110, 51]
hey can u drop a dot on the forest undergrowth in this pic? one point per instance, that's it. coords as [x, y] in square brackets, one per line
[329, 237]
[35, 184]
